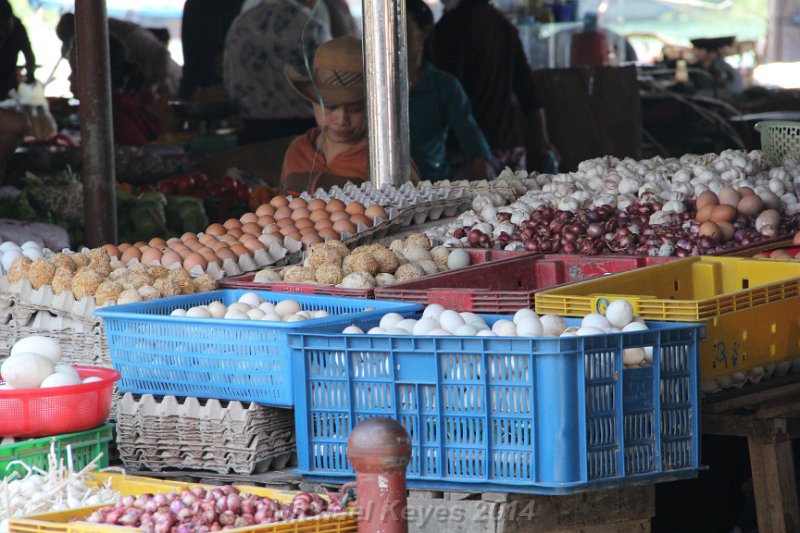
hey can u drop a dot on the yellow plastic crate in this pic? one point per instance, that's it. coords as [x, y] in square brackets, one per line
[62, 522]
[751, 307]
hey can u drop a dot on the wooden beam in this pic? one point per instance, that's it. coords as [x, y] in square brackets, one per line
[772, 465]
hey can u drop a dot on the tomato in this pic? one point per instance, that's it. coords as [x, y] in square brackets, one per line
[243, 193]
[230, 184]
[166, 188]
[184, 184]
[214, 189]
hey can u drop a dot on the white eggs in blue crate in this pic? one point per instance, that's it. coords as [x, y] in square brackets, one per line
[595, 320]
[450, 320]
[390, 319]
[619, 313]
[524, 313]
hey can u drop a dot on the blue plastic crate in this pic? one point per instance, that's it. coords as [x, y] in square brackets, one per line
[546, 415]
[246, 360]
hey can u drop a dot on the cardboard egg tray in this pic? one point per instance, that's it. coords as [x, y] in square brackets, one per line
[169, 433]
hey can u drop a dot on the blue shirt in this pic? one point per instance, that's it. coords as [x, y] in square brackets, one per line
[437, 104]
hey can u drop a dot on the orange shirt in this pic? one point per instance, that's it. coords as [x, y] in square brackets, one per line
[305, 167]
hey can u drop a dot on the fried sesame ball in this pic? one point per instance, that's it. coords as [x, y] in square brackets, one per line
[158, 271]
[116, 264]
[184, 280]
[401, 259]
[396, 246]
[440, 255]
[382, 280]
[338, 245]
[62, 280]
[137, 267]
[80, 260]
[108, 291]
[60, 260]
[104, 269]
[129, 296]
[408, 272]
[85, 282]
[99, 255]
[387, 260]
[167, 286]
[18, 270]
[299, 274]
[329, 274]
[364, 263]
[268, 275]
[139, 279]
[357, 280]
[119, 274]
[148, 292]
[41, 272]
[417, 253]
[319, 255]
[418, 239]
[204, 283]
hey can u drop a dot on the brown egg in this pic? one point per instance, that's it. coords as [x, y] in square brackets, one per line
[279, 201]
[706, 197]
[709, 229]
[329, 233]
[195, 245]
[335, 205]
[188, 236]
[263, 220]
[286, 230]
[310, 238]
[780, 254]
[236, 232]
[239, 250]
[211, 257]
[151, 256]
[157, 242]
[267, 238]
[173, 241]
[355, 208]
[140, 244]
[112, 250]
[297, 203]
[216, 245]
[306, 231]
[265, 209]
[723, 213]
[316, 204]
[171, 257]
[300, 212]
[336, 216]
[254, 245]
[216, 229]
[184, 252]
[319, 214]
[232, 223]
[360, 219]
[252, 228]
[296, 236]
[124, 246]
[303, 223]
[750, 205]
[375, 211]
[228, 238]
[344, 225]
[728, 196]
[282, 223]
[726, 231]
[194, 259]
[282, 212]
[131, 253]
[207, 239]
[704, 212]
[225, 253]
[203, 250]
[271, 228]
[322, 224]
[248, 217]
[745, 191]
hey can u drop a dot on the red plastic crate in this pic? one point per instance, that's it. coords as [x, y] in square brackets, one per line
[792, 250]
[245, 282]
[508, 285]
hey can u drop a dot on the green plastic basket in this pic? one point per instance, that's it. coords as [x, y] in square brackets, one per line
[86, 445]
[780, 140]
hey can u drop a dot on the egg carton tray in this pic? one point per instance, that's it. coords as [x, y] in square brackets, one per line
[753, 375]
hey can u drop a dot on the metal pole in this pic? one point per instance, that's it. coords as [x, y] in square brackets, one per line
[94, 87]
[386, 65]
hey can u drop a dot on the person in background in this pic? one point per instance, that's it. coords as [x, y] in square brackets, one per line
[335, 151]
[334, 14]
[204, 26]
[477, 44]
[260, 42]
[437, 104]
[160, 74]
[133, 124]
[13, 128]
[13, 40]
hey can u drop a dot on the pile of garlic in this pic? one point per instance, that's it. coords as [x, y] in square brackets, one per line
[251, 306]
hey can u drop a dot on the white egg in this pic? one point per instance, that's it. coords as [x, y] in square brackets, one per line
[376, 331]
[9, 245]
[26, 370]
[465, 330]
[458, 258]
[255, 314]
[648, 355]
[267, 307]
[450, 320]
[198, 312]
[569, 332]
[287, 307]
[240, 306]
[486, 333]
[523, 313]
[320, 314]
[250, 298]
[439, 332]
[390, 319]
[59, 380]
[595, 320]
[397, 331]
[633, 356]
[480, 325]
[6, 386]
[424, 325]
[178, 312]
[353, 330]
[552, 325]
[217, 309]
[619, 313]
[529, 326]
[589, 330]
[635, 326]
[433, 311]
[305, 314]
[271, 317]
[506, 329]
[32, 253]
[31, 244]
[40, 345]
[500, 323]
[9, 257]
[68, 370]
[235, 314]
[295, 318]
[407, 324]
[92, 379]
[470, 317]
[612, 329]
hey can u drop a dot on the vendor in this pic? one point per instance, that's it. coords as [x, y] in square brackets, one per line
[336, 151]
[13, 40]
[13, 127]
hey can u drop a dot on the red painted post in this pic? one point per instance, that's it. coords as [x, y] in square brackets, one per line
[379, 450]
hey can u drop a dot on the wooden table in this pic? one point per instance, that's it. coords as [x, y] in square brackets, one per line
[768, 415]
